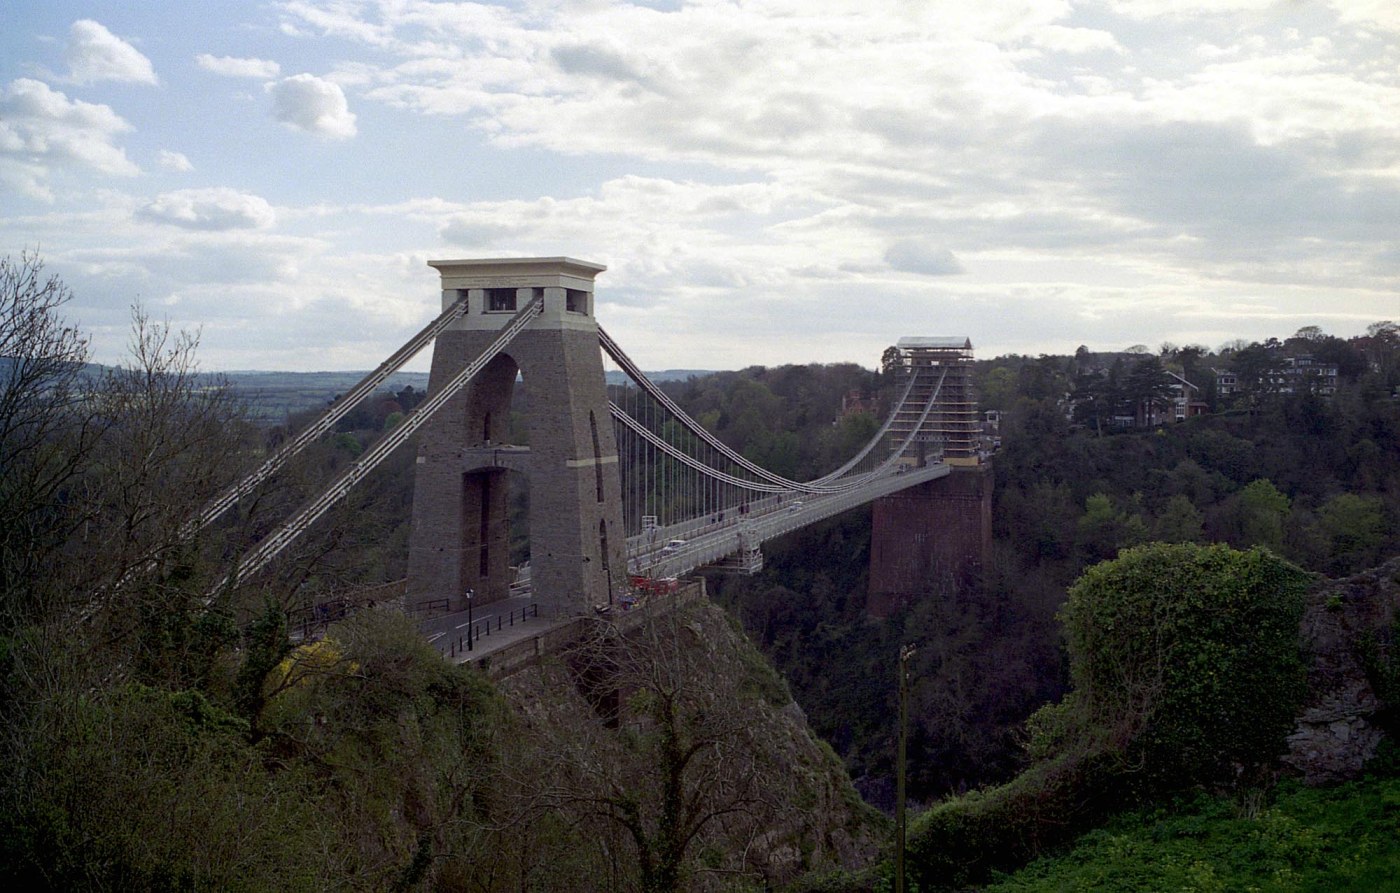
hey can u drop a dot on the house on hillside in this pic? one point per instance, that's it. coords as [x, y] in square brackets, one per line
[1186, 399]
[1305, 374]
[854, 401]
[1227, 383]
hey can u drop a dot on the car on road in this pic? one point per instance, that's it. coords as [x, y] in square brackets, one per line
[673, 547]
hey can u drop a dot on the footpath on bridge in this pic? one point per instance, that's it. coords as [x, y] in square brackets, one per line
[511, 634]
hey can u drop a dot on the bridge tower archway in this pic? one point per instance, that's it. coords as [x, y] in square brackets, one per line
[459, 539]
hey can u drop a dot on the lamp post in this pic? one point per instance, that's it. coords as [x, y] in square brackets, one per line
[470, 592]
[905, 653]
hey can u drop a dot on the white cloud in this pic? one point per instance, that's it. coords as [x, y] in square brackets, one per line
[475, 232]
[234, 67]
[309, 103]
[174, 161]
[96, 54]
[41, 128]
[1185, 9]
[917, 256]
[1076, 40]
[1382, 13]
[213, 209]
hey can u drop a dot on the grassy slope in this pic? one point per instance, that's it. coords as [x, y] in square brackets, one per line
[1341, 838]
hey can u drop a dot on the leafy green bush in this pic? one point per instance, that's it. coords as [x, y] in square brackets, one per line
[962, 840]
[1185, 659]
[145, 789]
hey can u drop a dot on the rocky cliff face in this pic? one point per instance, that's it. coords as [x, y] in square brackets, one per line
[676, 740]
[1337, 731]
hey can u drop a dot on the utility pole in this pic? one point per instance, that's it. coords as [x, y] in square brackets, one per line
[905, 653]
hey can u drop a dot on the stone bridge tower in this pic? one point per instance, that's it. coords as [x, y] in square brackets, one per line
[460, 534]
[938, 533]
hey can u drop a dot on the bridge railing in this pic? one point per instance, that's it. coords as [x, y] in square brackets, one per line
[466, 642]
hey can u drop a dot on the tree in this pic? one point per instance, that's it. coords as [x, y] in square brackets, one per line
[1382, 347]
[1104, 529]
[1147, 388]
[1179, 522]
[998, 389]
[1355, 526]
[1189, 358]
[1186, 670]
[686, 766]
[1309, 334]
[1096, 396]
[891, 362]
[1350, 362]
[47, 431]
[1043, 379]
[1262, 514]
[1258, 367]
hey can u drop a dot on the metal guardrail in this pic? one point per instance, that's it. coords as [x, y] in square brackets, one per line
[466, 642]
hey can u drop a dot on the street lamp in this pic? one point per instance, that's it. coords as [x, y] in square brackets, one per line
[470, 592]
[905, 653]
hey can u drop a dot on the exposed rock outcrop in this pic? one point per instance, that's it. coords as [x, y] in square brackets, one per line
[1336, 732]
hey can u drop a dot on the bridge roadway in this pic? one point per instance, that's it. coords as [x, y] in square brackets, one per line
[463, 636]
[707, 541]
[711, 539]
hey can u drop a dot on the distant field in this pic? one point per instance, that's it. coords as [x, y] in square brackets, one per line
[272, 396]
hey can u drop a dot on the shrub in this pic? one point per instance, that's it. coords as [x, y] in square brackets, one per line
[1185, 658]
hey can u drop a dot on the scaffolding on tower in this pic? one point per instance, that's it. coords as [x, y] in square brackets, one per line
[941, 370]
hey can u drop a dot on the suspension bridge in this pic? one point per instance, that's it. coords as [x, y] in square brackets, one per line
[623, 485]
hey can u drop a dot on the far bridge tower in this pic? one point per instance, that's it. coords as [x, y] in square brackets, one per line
[941, 530]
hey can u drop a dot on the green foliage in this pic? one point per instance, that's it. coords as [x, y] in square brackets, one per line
[1340, 838]
[783, 417]
[1179, 522]
[1185, 658]
[365, 775]
[1309, 449]
[179, 640]
[265, 645]
[1355, 525]
[349, 444]
[147, 789]
[1103, 529]
[961, 841]
[1263, 510]
[997, 389]
[1380, 659]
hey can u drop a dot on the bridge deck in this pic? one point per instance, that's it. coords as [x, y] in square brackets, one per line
[711, 539]
[524, 645]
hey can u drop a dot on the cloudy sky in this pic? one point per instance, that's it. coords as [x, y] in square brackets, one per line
[769, 181]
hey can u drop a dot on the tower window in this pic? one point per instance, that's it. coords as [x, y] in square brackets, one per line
[575, 300]
[500, 300]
